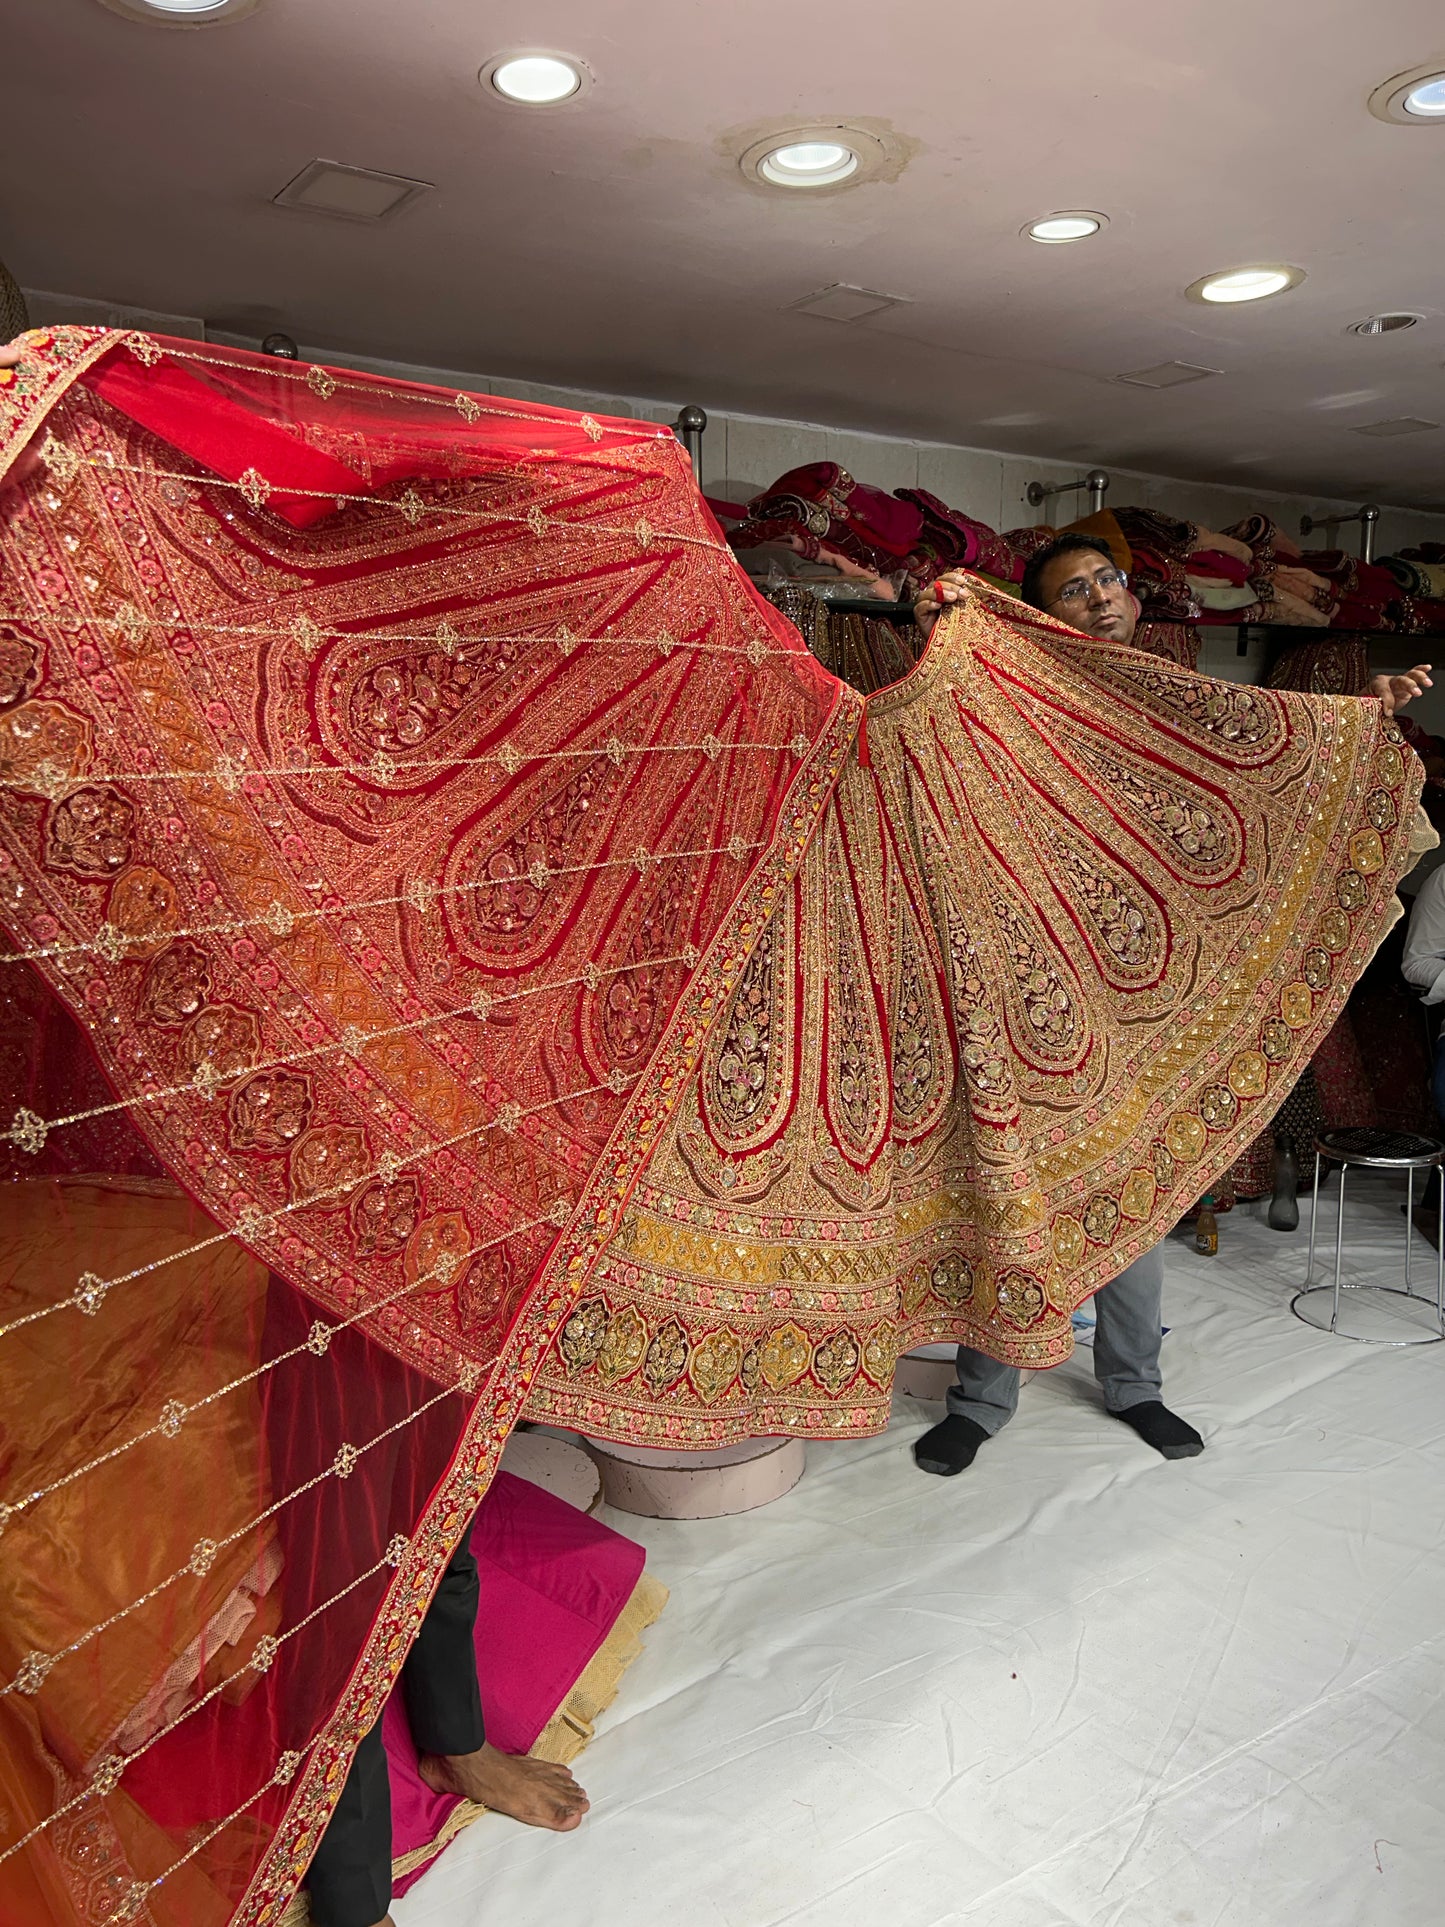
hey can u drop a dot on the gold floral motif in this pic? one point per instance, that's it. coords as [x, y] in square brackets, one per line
[44, 747]
[1164, 1169]
[1185, 1136]
[915, 1285]
[1276, 1040]
[835, 1363]
[1068, 1240]
[716, 1361]
[435, 1251]
[1381, 811]
[1218, 1106]
[176, 984]
[952, 1278]
[270, 1110]
[582, 1335]
[328, 1160]
[624, 1345]
[1020, 1297]
[665, 1359]
[384, 1216]
[1101, 1218]
[224, 1037]
[89, 832]
[1296, 1005]
[1352, 890]
[1315, 967]
[785, 1356]
[1248, 1074]
[1334, 931]
[1390, 766]
[145, 907]
[20, 665]
[1136, 1200]
[1367, 853]
[255, 489]
[880, 1354]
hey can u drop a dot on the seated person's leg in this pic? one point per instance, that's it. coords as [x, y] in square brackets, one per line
[349, 1880]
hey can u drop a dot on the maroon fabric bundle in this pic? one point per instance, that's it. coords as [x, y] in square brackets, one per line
[951, 539]
[820, 504]
[1222, 567]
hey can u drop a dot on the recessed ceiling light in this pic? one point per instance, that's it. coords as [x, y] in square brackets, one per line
[1413, 99]
[825, 155]
[1055, 229]
[535, 79]
[1245, 284]
[1385, 324]
[180, 13]
[808, 164]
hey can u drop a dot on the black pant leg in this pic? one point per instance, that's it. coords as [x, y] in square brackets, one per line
[349, 1881]
[439, 1679]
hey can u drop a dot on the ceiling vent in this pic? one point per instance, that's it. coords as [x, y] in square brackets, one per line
[843, 302]
[1384, 324]
[350, 193]
[1169, 374]
[1401, 425]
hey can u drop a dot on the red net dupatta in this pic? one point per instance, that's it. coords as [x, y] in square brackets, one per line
[395, 785]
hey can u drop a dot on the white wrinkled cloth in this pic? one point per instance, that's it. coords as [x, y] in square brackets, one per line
[1074, 1687]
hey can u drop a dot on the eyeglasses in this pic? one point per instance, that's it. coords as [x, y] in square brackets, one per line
[1083, 588]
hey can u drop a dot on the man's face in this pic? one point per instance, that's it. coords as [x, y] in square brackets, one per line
[1085, 590]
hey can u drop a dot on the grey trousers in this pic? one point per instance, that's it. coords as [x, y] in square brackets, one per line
[1126, 1352]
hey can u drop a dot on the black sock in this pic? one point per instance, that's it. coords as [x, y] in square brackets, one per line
[949, 1446]
[1171, 1436]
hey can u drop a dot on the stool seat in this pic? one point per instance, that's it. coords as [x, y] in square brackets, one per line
[1367, 1147]
[1389, 1150]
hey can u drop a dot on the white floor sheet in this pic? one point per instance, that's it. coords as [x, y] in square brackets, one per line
[1077, 1686]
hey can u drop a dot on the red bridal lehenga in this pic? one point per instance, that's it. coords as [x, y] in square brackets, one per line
[482, 964]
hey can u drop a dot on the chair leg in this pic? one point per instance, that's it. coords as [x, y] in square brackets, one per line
[1339, 1248]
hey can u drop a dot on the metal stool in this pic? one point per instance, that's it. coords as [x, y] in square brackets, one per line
[1381, 1151]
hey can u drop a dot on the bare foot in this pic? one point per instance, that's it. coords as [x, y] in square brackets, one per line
[532, 1791]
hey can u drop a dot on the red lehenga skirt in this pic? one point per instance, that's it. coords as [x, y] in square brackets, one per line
[548, 984]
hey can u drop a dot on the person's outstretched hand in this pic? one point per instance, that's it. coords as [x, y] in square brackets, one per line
[1395, 691]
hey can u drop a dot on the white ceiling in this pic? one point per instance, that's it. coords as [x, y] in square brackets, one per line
[614, 244]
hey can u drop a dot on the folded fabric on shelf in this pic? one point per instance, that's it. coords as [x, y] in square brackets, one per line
[1266, 540]
[1425, 579]
[1293, 609]
[1211, 593]
[955, 540]
[821, 503]
[1219, 564]
[1209, 541]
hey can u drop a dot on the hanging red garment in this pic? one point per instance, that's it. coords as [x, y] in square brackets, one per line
[468, 889]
